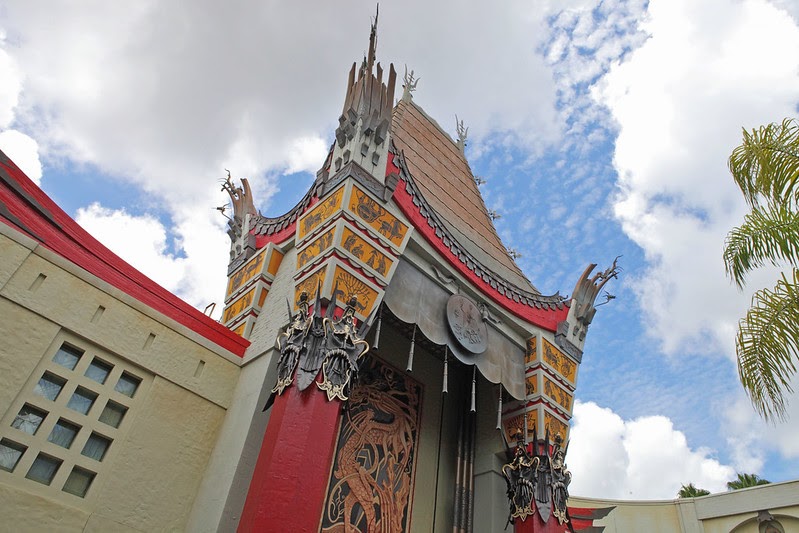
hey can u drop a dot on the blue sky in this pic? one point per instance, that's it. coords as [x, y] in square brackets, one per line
[601, 128]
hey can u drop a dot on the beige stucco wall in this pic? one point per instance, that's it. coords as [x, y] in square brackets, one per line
[734, 511]
[149, 478]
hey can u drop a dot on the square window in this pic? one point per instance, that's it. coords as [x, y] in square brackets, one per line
[98, 370]
[78, 482]
[49, 386]
[63, 433]
[82, 400]
[10, 454]
[29, 419]
[43, 469]
[96, 447]
[127, 384]
[67, 356]
[113, 414]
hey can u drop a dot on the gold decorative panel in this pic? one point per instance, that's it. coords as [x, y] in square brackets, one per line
[557, 393]
[274, 262]
[371, 482]
[532, 422]
[555, 426]
[365, 252]
[560, 362]
[373, 214]
[247, 272]
[309, 285]
[320, 212]
[512, 426]
[531, 354]
[315, 249]
[530, 383]
[351, 285]
[238, 306]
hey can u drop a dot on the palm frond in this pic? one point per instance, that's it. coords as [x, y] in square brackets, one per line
[768, 235]
[743, 481]
[766, 165]
[768, 346]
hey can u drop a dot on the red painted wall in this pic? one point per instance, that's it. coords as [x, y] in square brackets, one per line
[288, 486]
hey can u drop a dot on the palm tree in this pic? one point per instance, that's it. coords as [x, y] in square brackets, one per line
[766, 168]
[746, 480]
[689, 491]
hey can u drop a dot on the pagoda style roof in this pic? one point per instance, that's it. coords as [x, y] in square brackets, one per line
[445, 180]
[26, 208]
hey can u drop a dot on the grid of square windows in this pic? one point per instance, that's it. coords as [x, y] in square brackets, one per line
[73, 382]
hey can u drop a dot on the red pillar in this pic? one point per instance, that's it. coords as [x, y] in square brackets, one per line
[288, 486]
[534, 524]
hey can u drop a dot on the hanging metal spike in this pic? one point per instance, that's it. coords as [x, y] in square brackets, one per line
[474, 389]
[444, 386]
[379, 324]
[499, 409]
[410, 353]
[524, 432]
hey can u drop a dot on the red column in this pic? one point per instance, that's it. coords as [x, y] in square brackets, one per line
[288, 486]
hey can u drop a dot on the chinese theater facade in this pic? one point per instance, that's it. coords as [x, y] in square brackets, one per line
[403, 372]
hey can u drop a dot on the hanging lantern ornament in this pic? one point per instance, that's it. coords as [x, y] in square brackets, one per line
[474, 388]
[499, 409]
[446, 369]
[413, 347]
[377, 329]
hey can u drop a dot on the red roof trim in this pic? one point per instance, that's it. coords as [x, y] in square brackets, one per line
[55, 230]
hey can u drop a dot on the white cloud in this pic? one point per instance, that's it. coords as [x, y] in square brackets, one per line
[307, 154]
[645, 458]
[751, 439]
[680, 100]
[139, 240]
[185, 259]
[11, 86]
[24, 151]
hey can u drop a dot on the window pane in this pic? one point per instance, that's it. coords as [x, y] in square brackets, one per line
[63, 433]
[113, 413]
[96, 447]
[127, 384]
[78, 482]
[98, 371]
[29, 419]
[67, 356]
[10, 454]
[82, 400]
[49, 386]
[43, 469]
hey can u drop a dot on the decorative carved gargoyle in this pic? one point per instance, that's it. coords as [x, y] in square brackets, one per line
[537, 480]
[312, 342]
[520, 477]
[560, 481]
[587, 289]
[291, 343]
[343, 349]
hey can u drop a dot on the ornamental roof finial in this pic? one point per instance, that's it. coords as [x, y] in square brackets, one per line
[364, 122]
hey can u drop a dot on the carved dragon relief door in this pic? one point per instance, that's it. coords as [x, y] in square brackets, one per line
[371, 482]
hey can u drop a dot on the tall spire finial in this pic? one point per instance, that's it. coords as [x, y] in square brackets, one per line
[463, 132]
[364, 122]
[373, 42]
[409, 86]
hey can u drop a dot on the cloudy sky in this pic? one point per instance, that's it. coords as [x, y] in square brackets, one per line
[602, 129]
